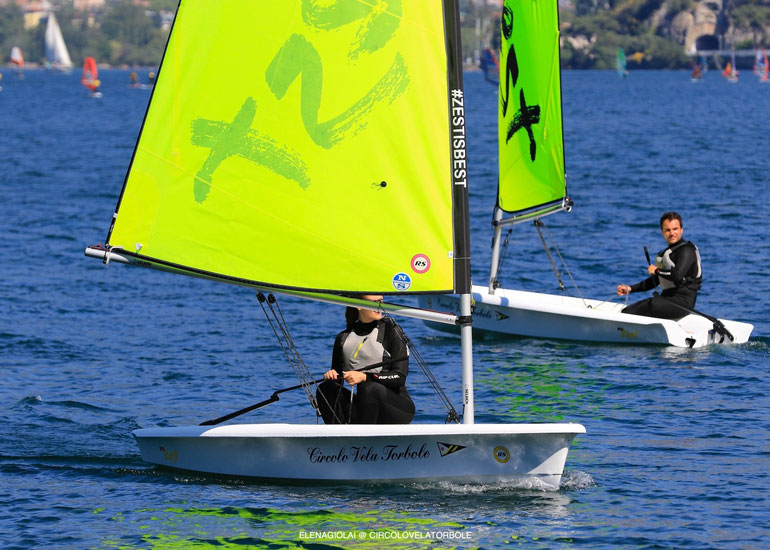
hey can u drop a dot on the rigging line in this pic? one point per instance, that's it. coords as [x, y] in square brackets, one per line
[284, 343]
[303, 373]
[564, 263]
[262, 300]
[452, 415]
[604, 302]
[296, 360]
[273, 323]
[350, 408]
[333, 409]
[307, 380]
[538, 224]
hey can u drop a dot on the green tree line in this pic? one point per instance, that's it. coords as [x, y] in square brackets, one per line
[631, 25]
[120, 33]
[592, 31]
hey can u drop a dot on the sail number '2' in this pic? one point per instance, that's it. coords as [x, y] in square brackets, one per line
[299, 58]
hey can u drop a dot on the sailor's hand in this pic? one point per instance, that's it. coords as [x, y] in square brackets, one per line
[353, 377]
[652, 269]
[331, 374]
[623, 290]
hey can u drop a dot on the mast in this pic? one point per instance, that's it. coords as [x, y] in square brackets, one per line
[462, 244]
[497, 230]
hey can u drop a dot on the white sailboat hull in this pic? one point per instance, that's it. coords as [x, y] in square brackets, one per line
[538, 315]
[533, 454]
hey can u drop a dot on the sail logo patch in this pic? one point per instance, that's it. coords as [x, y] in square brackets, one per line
[420, 263]
[502, 455]
[500, 316]
[402, 281]
[445, 449]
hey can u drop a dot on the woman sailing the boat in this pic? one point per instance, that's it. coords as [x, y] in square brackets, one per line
[381, 396]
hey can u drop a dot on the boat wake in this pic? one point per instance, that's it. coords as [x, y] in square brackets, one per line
[576, 480]
[570, 481]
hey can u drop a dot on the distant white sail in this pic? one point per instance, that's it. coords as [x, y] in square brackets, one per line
[55, 49]
[16, 57]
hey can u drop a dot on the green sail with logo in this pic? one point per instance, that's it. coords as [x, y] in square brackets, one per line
[301, 145]
[529, 112]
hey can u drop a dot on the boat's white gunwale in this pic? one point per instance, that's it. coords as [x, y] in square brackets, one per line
[576, 306]
[358, 430]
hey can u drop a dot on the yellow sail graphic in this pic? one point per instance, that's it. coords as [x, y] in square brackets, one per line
[529, 113]
[301, 144]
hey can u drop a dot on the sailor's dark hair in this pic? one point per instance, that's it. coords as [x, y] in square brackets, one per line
[351, 313]
[668, 216]
[351, 316]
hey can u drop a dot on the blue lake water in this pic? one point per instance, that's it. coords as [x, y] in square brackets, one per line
[678, 443]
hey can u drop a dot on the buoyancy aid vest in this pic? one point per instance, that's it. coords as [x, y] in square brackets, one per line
[359, 351]
[665, 263]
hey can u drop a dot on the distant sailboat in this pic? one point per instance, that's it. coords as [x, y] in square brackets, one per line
[730, 72]
[90, 78]
[490, 66]
[620, 63]
[133, 81]
[56, 54]
[699, 68]
[697, 73]
[761, 66]
[531, 185]
[17, 59]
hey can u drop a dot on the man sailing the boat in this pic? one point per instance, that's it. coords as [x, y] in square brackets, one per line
[677, 270]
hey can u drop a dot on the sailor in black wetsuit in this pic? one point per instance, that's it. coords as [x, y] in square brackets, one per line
[677, 270]
[381, 396]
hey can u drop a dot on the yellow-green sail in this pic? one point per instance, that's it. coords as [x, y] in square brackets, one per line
[529, 113]
[302, 144]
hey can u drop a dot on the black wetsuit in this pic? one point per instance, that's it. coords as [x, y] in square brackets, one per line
[382, 398]
[679, 276]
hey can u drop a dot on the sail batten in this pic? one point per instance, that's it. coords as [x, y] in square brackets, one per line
[530, 132]
[329, 164]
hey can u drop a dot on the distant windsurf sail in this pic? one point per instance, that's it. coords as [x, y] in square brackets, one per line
[761, 66]
[90, 78]
[731, 72]
[16, 57]
[620, 63]
[490, 65]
